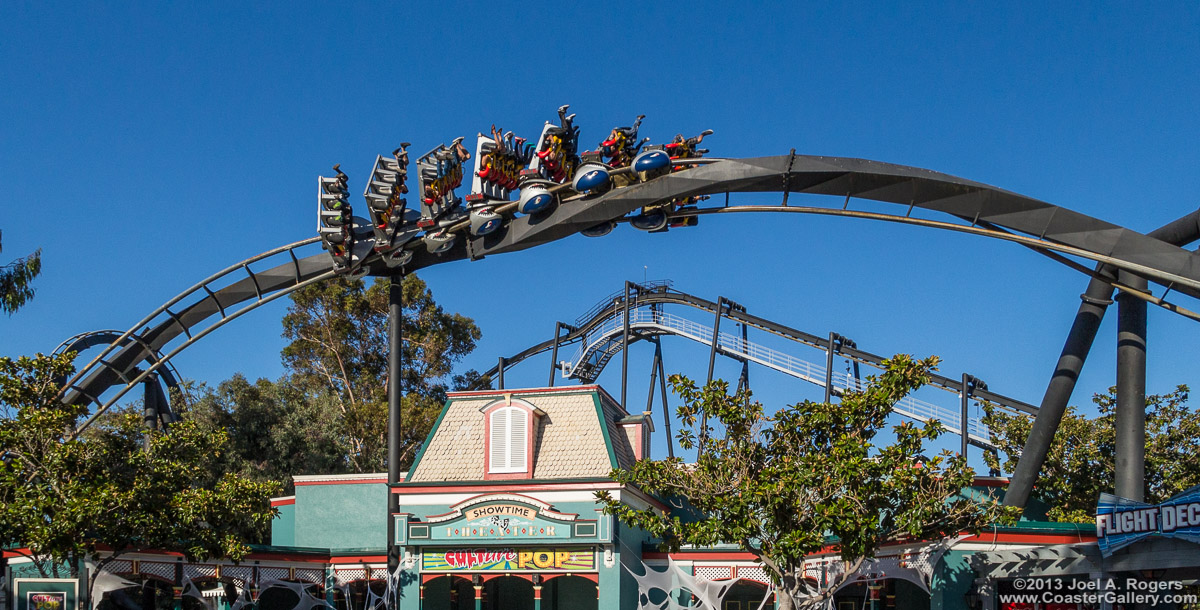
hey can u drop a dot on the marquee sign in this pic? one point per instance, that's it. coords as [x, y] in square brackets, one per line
[1120, 521]
[509, 560]
[46, 601]
[500, 519]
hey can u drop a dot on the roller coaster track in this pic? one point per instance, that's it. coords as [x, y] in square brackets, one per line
[973, 208]
[179, 322]
[597, 336]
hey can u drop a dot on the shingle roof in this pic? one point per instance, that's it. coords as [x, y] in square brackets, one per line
[569, 444]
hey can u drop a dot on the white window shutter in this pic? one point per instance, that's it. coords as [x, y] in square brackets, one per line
[517, 439]
[499, 440]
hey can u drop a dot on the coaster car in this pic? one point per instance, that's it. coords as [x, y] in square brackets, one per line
[485, 221]
[557, 150]
[655, 220]
[439, 241]
[650, 164]
[591, 178]
[622, 144]
[535, 197]
[599, 230]
[687, 148]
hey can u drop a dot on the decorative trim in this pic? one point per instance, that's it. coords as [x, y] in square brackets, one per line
[544, 390]
[437, 425]
[700, 555]
[527, 485]
[342, 479]
[359, 559]
[990, 482]
[544, 508]
[284, 501]
[592, 576]
[603, 421]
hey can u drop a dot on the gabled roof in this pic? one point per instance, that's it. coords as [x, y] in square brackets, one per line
[578, 437]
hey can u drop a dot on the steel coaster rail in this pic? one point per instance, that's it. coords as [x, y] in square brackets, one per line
[85, 340]
[679, 298]
[597, 341]
[1038, 245]
[855, 354]
[990, 211]
[134, 346]
[152, 339]
[165, 306]
[658, 323]
[1055, 227]
[165, 359]
[615, 297]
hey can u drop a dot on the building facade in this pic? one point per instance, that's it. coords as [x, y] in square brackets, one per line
[499, 511]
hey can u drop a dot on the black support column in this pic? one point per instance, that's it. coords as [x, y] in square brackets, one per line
[625, 348]
[395, 343]
[1062, 383]
[1096, 299]
[1130, 417]
[150, 408]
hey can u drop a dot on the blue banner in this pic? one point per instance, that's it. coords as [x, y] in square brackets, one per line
[1120, 521]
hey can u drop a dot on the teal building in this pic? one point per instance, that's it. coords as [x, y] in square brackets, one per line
[499, 507]
[499, 512]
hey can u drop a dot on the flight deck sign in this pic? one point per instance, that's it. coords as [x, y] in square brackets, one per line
[1121, 522]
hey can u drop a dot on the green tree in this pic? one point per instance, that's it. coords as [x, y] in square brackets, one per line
[275, 429]
[16, 279]
[65, 497]
[338, 332]
[1079, 465]
[785, 486]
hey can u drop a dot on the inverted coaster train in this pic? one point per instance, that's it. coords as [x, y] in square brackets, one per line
[526, 194]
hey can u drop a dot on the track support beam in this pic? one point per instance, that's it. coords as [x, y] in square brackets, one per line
[666, 411]
[554, 354]
[712, 356]
[1131, 392]
[829, 349]
[395, 354]
[1096, 299]
[150, 408]
[744, 378]
[659, 376]
[625, 347]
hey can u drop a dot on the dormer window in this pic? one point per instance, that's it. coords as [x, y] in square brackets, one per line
[509, 440]
[511, 428]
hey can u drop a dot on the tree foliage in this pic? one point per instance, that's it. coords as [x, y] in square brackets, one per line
[328, 413]
[67, 498]
[275, 430]
[16, 280]
[1079, 465]
[338, 354]
[784, 486]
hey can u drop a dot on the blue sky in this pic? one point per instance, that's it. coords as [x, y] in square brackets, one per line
[149, 145]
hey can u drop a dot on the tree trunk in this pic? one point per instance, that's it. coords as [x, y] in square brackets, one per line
[784, 599]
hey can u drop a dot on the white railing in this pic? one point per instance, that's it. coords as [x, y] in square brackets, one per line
[605, 337]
